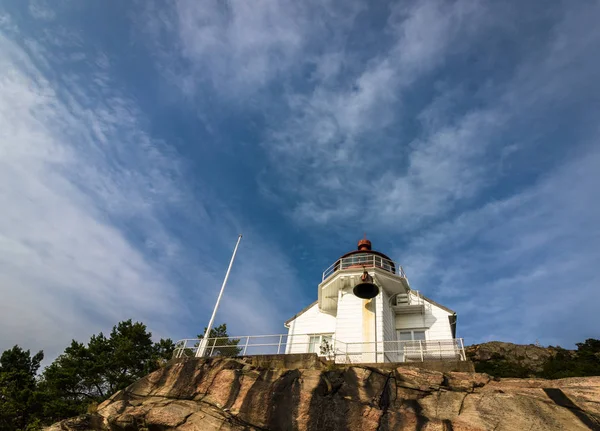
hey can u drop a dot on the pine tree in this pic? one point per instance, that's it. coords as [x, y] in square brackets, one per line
[219, 342]
[20, 403]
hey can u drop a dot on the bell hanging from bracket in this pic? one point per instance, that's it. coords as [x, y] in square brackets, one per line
[366, 289]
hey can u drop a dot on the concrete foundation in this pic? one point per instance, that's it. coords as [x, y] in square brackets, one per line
[311, 361]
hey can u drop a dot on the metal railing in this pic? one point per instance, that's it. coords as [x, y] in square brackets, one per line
[364, 260]
[400, 351]
[413, 297]
[247, 345]
[338, 351]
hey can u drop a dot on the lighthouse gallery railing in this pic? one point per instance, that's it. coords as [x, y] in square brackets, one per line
[335, 350]
[366, 260]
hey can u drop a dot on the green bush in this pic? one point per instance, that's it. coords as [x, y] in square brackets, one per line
[584, 362]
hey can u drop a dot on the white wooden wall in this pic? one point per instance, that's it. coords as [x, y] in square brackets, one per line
[355, 324]
[312, 321]
[435, 322]
[388, 328]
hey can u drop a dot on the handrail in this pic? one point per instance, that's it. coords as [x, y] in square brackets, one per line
[366, 260]
[413, 297]
[336, 350]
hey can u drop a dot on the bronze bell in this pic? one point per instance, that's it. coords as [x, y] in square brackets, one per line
[366, 289]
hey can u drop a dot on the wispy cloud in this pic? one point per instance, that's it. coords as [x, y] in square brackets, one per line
[462, 134]
[334, 137]
[78, 171]
[89, 199]
[237, 49]
[344, 146]
[41, 10]
[88, 195]
[520, 268]
[428, 123]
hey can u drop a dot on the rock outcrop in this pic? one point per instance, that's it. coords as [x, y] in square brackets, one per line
[528, 357]
[232, 394]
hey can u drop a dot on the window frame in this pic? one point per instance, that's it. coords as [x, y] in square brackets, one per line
[322, 336]
[412, 334]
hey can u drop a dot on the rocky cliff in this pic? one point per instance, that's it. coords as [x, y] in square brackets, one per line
[235, 394]
[525, 359]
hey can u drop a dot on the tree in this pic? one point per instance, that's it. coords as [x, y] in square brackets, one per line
[588, 354]
[89, 374]
[164, 351]
[219, 343]
[19, 400]
[584, 362]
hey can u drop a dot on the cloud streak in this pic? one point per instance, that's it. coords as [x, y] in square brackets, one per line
[428, 132]
[520, 268]
[69, 188]
[460, 136]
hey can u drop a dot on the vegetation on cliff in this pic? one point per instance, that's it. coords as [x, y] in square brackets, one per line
[20, 400]
[80, 378]
[513, 360]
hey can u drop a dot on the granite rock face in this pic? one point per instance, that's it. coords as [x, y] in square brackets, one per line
[232, 394]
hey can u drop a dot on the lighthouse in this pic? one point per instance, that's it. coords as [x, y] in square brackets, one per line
[367, 312]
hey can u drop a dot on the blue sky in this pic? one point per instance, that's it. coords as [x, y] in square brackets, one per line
[137, 139]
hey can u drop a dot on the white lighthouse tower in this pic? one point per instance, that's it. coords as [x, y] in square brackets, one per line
[367, 312]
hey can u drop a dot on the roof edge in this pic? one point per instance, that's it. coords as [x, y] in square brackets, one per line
[437, 304]
[304, 310]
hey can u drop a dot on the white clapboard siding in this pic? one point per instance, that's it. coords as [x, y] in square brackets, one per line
[350, 325]
[355, 323]
[312, 321]
[388, 329]
[355, 327]
[435, 322]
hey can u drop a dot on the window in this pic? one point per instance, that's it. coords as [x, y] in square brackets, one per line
[410, 347]
[411, 335]
[317, 341]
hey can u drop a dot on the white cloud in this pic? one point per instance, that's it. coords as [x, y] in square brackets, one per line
[87, 197]
[520, 268]
[341, 153]
[237, 48]
[87, 188]
[41, 10]
[338, 141]
[342, 149]
[76, 167]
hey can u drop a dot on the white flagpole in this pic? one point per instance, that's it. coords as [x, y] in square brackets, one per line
[200, 351]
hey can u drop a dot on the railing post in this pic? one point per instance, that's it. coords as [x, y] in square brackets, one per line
[440, 346]
[421, 349]
[279, 346]
[213, 347]
[246, 346]
[463, 355]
